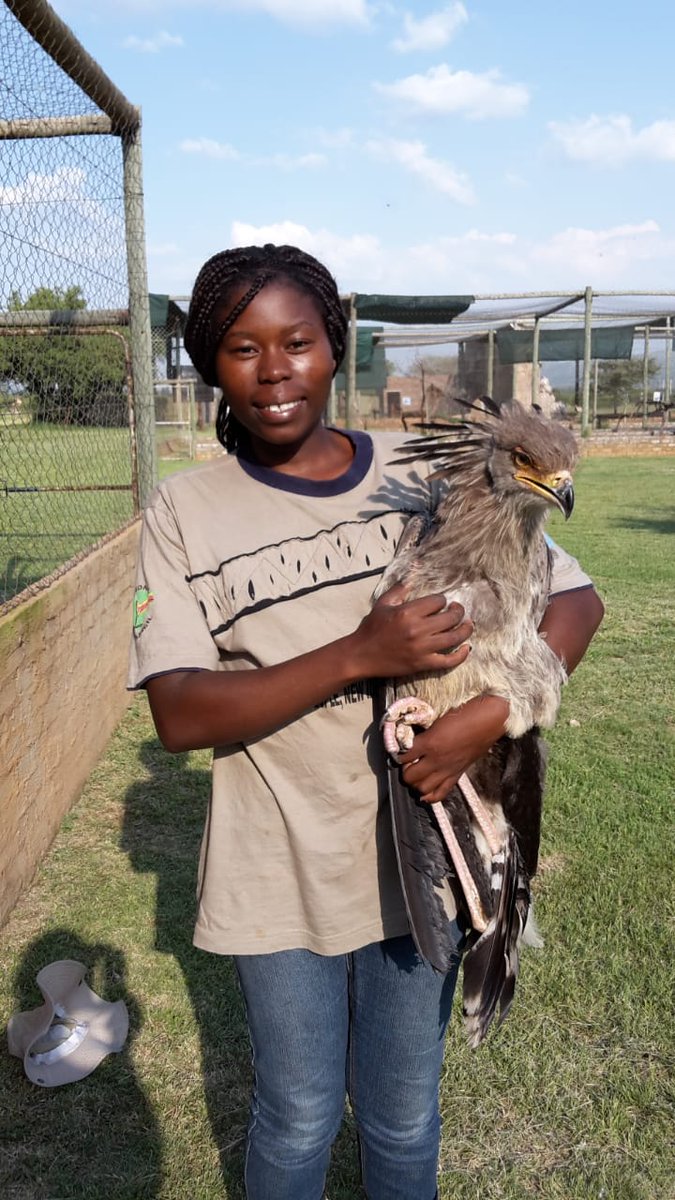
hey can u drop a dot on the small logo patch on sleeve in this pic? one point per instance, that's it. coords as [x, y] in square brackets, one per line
[143, 601]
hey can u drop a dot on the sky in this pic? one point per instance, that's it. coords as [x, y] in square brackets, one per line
[415, 147]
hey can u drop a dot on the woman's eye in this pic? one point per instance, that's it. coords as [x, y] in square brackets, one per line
[299, 343]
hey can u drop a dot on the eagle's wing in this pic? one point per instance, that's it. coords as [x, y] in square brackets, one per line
[432, 896]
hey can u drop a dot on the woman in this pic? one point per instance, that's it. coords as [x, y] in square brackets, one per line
[254, 635]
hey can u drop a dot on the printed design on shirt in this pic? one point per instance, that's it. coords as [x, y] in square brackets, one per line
[354, 693]
[288, 570]
[143, 600]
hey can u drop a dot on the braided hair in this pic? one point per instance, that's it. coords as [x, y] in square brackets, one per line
[257, 266]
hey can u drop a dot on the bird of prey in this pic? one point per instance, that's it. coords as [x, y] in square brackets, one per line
[483, 546]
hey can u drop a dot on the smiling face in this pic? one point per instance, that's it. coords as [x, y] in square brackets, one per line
[275, 366]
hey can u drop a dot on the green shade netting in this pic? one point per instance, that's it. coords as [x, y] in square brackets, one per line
[411, 310]
[164, 311]
[564, 345]
[371, 366]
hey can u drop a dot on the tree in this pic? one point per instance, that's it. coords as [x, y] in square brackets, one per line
[68, 379]
[621, 381]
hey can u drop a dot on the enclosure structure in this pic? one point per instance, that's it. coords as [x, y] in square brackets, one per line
[77, 451]
[503, 340]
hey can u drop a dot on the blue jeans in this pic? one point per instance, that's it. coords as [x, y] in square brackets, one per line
[372, 1024]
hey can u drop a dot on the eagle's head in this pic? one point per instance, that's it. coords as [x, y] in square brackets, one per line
[528, 457]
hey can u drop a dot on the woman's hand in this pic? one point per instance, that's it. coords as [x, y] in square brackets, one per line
[402, 637]
[443, 752]
[197, 709]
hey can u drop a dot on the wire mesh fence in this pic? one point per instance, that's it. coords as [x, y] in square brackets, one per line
[67, 448]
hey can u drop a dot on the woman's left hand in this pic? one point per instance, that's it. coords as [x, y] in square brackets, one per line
[440, 754]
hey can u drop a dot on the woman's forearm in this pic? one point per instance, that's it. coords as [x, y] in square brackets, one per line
[194, 710]
[569, 623]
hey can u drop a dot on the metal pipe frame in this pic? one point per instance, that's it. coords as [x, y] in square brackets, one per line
[45, 127]
[64, 318]
[139, 314]
[60, 43]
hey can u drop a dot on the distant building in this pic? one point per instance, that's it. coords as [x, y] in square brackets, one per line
[416, 396]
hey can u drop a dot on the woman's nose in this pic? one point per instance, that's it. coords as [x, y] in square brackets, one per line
[272, 366]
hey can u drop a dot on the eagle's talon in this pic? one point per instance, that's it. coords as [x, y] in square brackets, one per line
[399, 721]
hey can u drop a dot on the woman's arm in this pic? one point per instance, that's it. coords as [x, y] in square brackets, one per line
[442, 753]
[199, 709]
[569, 623]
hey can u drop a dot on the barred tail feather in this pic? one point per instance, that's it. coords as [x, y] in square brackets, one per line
[491, 963]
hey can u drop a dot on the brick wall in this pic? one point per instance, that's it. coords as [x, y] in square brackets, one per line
[63, 657]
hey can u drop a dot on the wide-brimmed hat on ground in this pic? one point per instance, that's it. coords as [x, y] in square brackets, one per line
[68, 1036]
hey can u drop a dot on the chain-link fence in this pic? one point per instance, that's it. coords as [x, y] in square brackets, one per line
[72, 367]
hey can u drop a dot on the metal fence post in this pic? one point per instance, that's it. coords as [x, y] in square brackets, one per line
[669, 351]
[645, 377]
[586, 391]
[491, 363]
[534, 397]
[350, 394]
[139, 313]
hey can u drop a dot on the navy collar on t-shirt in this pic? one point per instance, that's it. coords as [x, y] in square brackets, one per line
[356, 471]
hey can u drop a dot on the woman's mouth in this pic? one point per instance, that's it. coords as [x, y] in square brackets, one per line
[281, 408]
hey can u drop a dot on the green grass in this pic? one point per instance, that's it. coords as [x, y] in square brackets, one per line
[42, 530]
[572, 1099]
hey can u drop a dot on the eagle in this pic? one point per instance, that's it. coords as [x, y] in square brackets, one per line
[503, 469]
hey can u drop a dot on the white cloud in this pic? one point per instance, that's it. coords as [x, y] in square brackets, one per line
[612, 141]
[413, 157]
[54, 219]
[152, 45]
[443, 91]
[224, 151]
[625, 257]
[352, 258]
[210, 148]
[66, 183]
[601, 255]
[432, 32]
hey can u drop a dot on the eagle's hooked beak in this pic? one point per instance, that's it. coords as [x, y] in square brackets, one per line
[557, 489]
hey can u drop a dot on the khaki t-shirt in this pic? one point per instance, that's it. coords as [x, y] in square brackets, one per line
[242, 567]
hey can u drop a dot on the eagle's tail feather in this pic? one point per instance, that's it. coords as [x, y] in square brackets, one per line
[491, 963]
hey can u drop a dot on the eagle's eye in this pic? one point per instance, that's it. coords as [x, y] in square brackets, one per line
[521, 459]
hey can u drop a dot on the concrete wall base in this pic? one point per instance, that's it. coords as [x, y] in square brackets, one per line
[63, 661]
